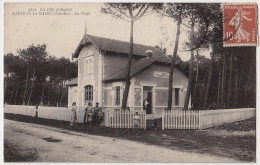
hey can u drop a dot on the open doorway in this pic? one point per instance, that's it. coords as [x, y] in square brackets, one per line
[147, 99]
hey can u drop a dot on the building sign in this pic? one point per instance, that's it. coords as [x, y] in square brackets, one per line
[161, 74]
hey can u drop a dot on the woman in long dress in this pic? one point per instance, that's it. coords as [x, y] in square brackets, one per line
[237, 22]
[73, 119]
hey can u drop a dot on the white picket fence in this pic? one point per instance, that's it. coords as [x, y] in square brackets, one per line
[113, 118]
[59, 113]
[182, 119]
[20, 109]
[55, 113]
[124, 118]
[210, 118]
[175, 119]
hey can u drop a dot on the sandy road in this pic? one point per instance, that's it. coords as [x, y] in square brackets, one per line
[59, 145]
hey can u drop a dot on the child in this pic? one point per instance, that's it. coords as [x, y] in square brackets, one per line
[155, 124]
[36, 112]
[100, 117]
[136, 120]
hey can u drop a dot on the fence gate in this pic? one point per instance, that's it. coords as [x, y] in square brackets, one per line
[180, 119]
[124, 119]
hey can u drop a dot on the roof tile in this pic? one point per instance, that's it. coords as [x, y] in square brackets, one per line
[115, 46]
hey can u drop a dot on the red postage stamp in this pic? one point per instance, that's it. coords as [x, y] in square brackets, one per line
[240, 25]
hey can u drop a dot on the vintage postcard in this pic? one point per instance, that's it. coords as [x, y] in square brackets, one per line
[129, 82]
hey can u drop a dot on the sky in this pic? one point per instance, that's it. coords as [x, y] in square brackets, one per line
[62, 33]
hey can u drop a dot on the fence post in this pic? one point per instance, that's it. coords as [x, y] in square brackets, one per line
[163, 115]
[171, 117]
[120, 120]
[144, 119]
[133, 120]
[107, 122]
[199, 119]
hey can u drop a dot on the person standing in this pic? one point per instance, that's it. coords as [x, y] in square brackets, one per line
[87, 111]
[88, 114]
[136, 120]
[73, 119]
[95, 115]
[36, 112]
[100, 117]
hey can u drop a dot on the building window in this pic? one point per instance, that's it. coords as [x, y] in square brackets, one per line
[177, 90]
[117, 97]
[88, 66]
[88, 94]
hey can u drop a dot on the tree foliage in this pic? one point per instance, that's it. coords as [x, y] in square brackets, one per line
[129, 12]
[232, 81]
[33, 76]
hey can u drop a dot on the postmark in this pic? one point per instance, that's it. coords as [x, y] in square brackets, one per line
[240, 25]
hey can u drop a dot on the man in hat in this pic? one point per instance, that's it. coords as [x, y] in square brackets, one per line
[95, 115]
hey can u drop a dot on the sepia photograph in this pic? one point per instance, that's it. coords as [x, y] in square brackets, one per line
[134, 82]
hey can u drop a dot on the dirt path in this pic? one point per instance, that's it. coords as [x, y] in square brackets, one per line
[48, 144]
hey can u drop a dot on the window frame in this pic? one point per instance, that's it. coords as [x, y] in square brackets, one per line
[88, 94]
[88, 66]
[117, 101]
[177, 101]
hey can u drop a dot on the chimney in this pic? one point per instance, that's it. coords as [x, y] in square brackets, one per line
[149, 53]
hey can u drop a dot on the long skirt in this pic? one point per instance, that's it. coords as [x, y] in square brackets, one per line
[73, 120]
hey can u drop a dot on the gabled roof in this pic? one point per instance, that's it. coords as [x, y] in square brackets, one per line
[138, 66]
[73, 82]
[112, 45]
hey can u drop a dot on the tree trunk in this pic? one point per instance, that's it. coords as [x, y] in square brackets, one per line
[16, 93]
[61, 95]
[246, 87]
[239, 102]
[196, 79]
[219, 84]
[49, 87]
[57, 94]
[188, 93]
[5, 92]
[128, 72]
[31, 88]
[41, 102]
[10, 99]
[25, 91]
[173, 61]
[208, 83]
[235, 91]
[230, 81]
[223, 82]
[200, 96]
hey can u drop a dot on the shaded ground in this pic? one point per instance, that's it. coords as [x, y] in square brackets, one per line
[52, 144]
[234, 140]
[15, 153]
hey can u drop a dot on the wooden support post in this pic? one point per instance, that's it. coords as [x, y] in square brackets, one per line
[163, 115]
